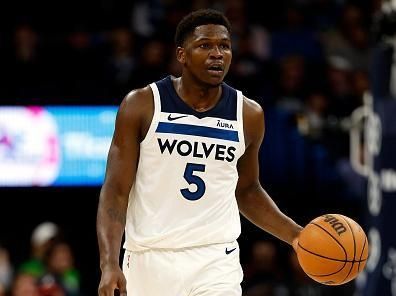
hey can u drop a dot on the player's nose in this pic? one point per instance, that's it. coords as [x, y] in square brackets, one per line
[216, 52]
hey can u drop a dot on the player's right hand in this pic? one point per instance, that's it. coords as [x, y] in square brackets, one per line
[295, 243]
[112, 279]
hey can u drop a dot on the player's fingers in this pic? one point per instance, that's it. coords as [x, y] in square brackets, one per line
[122, 287]
[105, 292]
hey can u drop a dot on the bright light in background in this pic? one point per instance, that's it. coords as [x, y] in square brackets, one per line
[54, 146]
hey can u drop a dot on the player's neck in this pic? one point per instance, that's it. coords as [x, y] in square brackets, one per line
[198, 96]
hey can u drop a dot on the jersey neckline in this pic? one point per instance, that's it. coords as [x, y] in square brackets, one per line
[188, 110]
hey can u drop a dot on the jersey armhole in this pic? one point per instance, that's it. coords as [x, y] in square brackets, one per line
[157, 110]
[240, 119]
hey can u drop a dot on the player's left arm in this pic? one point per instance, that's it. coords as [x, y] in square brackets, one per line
[253, 201]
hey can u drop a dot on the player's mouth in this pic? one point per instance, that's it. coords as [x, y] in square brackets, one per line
[216, 69]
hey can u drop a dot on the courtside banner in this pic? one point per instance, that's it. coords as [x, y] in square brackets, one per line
[54, 145]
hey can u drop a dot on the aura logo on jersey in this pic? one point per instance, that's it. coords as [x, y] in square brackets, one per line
[197, 149]
[224, 124]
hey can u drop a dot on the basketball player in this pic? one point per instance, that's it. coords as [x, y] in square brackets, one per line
[182, 164]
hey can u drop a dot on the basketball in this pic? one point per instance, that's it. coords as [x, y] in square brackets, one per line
[332, 249]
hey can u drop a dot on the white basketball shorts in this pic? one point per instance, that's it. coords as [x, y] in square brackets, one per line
[212, 270]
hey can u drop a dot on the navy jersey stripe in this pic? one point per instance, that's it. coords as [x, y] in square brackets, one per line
[196, 130]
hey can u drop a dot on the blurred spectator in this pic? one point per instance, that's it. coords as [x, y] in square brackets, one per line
[157, 18]
[48, 285]
[295, 37]
[292, 83]
[60, 269]
[152, 63]
[248, 71]
[174, 67]
[361, 83]
[52, 262]
[25, 285]
[79, 57]
[299, 283]
[340, 87]
[312, 120]
[43, 236]
[6, 270]
[263, 273]
[344, 98]
[235, 10]
[146, 17]
[26, 66]
[120, 67]
[323, 13]
[349, 39]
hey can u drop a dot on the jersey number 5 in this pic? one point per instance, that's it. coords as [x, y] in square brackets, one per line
[194, 179]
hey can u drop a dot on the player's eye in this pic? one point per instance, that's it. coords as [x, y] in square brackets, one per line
[205, 45]
[225, 46]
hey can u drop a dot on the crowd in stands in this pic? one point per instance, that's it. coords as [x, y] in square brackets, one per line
[306, 62]
[49, 269]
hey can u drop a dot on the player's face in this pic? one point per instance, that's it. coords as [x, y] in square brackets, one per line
[207, 54]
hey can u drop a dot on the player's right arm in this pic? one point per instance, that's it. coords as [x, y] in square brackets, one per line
[132, 123]
[253, 201]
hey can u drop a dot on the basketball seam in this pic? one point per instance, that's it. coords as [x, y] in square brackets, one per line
[327, 274]
[334, 259]
[361, 254]
[321, 275]
[325, 230]
[354, 248]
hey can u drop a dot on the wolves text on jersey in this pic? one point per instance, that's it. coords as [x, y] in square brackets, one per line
[197, 149]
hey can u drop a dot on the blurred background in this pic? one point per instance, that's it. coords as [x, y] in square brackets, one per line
[321, 69]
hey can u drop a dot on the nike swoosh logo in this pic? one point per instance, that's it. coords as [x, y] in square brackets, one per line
[170, 118]
[229, 251]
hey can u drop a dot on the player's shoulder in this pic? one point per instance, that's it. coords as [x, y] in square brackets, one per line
[137, 100]
[138, 96]
[251, 108]
[136, 107]
[253, 121]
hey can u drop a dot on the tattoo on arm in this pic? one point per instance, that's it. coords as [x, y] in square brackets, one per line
[116, 216]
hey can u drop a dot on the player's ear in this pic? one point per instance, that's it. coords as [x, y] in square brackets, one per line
[180, 55]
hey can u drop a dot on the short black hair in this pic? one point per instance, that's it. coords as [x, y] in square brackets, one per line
[198, 18]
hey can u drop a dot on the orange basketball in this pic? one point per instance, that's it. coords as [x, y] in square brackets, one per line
[332, 249]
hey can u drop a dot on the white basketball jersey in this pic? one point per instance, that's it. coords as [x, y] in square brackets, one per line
[184, 192]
